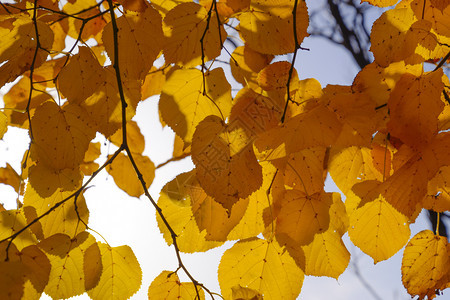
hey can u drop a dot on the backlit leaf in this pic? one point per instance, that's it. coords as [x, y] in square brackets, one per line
[262, 266]
[425, 261]
[267, 25]
[184, 27]
[122, 170]
[10, 222]
[246, 65]
[168, 286]
[122, 274]
[183, 105]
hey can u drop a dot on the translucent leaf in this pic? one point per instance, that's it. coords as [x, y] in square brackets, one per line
[246, 65]
[61, 135]
[63, 219]
[12, 221]
[227, 168]
[122, 274]
[168, 286]
[184, 27]
[176, 203]
[10, 177]
[163, 6]
[81, 77]
[66, 256]
[92, 266]
[89, 166]
[316, 127]
[182, 104]
[140, 39]
[381, 3]
[425, 262]
[267, 26]
[437, 15]
[104, 106]
[3, 124]
[153, 82]
[438, 197]
[301, 216]
[135, 139]
[260, 265]
[38, 267]
[378, 229]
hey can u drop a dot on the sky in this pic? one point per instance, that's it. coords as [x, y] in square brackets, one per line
[123, 220]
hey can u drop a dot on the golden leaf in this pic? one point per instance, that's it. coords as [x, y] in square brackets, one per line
[227, 168]
[167, 286]
[12, 221]
[260, 265]
[10, 177]
[122, 274]
[381, 3]
[92, 266]
[135, 139]
[184, 27]
[246, 65]
[81, 77]
[425, 261]
[267, 25]
[140, 39]
[125, 177]
[182, 104]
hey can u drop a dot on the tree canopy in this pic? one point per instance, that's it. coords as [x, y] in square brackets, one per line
[262, 142]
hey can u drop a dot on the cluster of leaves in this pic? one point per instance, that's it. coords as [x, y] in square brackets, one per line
[261, 157]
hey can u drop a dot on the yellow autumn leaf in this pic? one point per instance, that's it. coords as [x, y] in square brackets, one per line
[184, 27]
[153, 82]
[135, 139]
[3, 124]
[227, 168]
[81, 77]
[12, 277]
[381, 3]
[92, 266]
[302, 216]
[182, 104]
[243, 293]
[164, 6]
[122, 275]
[61, 135]
[414, 106]
[124, 174]
[436, 14]
[438, 197]
[389, 34]
[63, 219]
[89, 165]
[140, 39]
[104, 105]
[66, 257]
[12, 221]
[38, 269]
[10, 177]
[425, 262]
[348, 166]
[377, 228]
[245, 63]
[176, 205]
[267, 26]
[260, 265]
[167, 286]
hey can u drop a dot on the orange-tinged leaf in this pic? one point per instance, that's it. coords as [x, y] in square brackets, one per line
[140, 39]
[182, 104]
[104, 106]
[389, 34]
[262, 266]
[276, 75]
[135, 139]
[125, 177]
[437, 16]
[12, 280]
[438, 197]
[164, 6]
[267, 26]
[66, 257]
[12, 221]
[425, 261]
[10, 177]
[176, 207]
[246, 65]
[184, 27]
[440, 4]
[38, 267]
[414, 106]
[326, 255]
[61, 135]
[254, 113]
[122, 274]
[81, 77]
[301, 216]
[378, 229]
[89, 166]
[63, 219]
[3, 124]
[168, 286]
[153, 82]
[348, 166]
[316, 127]
[227, 168]
[134, 5]
[92, 266]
